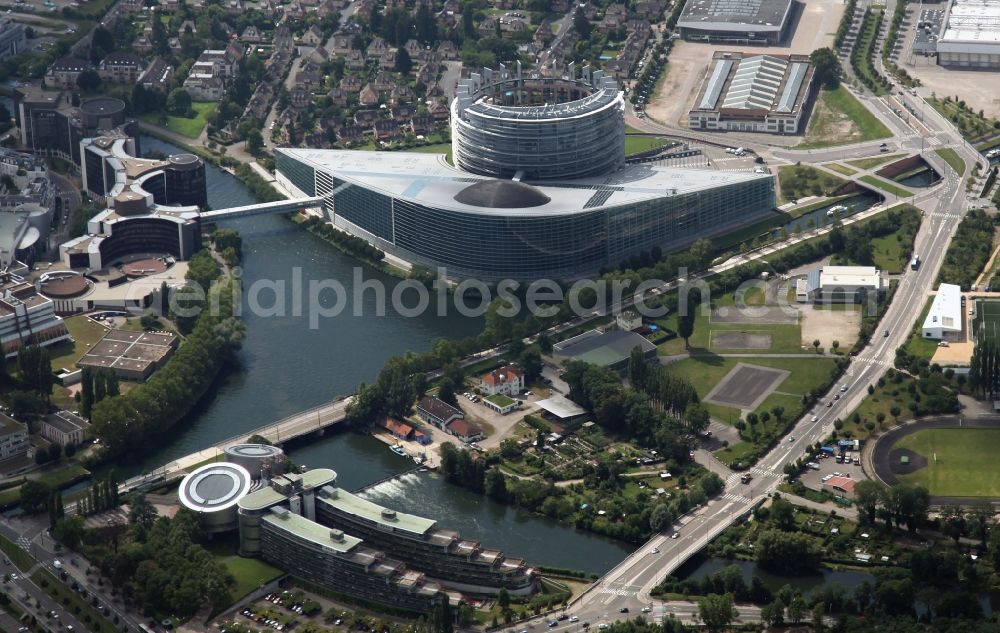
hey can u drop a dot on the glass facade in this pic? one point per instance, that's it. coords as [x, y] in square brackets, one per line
[302, 176]
[186, 186]
[496, 245]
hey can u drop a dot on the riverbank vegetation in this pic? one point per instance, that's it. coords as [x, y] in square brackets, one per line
[126, 423]
[349, 244]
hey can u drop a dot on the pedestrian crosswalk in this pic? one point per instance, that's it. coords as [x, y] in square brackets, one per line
[23, 543]
[733, 496]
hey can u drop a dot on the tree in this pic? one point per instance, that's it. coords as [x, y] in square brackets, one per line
[816, 345]
[89, 81]
[716, 611]
[179, 101]
[868, 495]
[35, 496]
[685, 323]
[141, 512]
[86, 391]
[581, 24]
[773, 613]
[827, 67]
[797, 609]
[403, 62]
[55, 451]
[254, 141]
[503, 598]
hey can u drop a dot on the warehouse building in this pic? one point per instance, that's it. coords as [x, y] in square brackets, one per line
[607, 349]
[132, 355]
[944, 320]
[971, 37]
[753, 93]
[763, 22]
[839, 284]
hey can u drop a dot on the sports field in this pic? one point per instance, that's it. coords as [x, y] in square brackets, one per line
[987, 321]
[965, 464]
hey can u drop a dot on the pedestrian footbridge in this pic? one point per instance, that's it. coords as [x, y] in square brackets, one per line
[280, 206]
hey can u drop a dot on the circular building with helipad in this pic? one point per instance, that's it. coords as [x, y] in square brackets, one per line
[213, 491]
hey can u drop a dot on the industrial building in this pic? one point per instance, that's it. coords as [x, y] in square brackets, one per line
[944, 319]
[753, 93]
[763, 22]
[839, 284]
[608, 349]
[971, 37]
[213, 491]
[131, 355]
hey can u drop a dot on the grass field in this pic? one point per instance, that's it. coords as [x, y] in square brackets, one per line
[807, 373]
[964, 464]
[636, 144]
[952, 158]
[885, 185]
[249, 573]
[785, 338]
[440, 148]
[875, 161]
[190, 128]
[840, 169]
[800, 181]
[839, 119]
[85, 333]
[917, 345]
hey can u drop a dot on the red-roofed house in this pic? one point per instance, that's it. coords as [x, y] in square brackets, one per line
[841, 485]
[506, 380]
[465, 431]
[398, 429]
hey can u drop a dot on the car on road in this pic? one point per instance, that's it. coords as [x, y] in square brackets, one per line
[829, 403]
[815, 418]
[553, 623]
[574, 618]
[886, 334]
[623, 610]
[791, 438]
[655, 550]
[675, 535]
[562, 616]
[647, 609]
[843, 388]
[602, 625]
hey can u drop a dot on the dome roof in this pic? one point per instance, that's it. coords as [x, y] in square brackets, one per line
[501, 194]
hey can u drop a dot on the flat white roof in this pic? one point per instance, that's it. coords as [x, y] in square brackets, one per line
[561, 406]
[973, 21]
[859, 276]
[946, 309]
[428, 179]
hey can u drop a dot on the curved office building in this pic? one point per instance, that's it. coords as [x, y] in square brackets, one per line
[506, 126]
[421, 209]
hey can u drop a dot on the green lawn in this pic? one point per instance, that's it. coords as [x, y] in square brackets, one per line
[840, 169]
[785, 338]
[807, 373]
[190, 128]
[85, 333]
[249, 573]
[882, 401]
[964, 461]
[917, 345]
[637, 144]
[801, 181]
[835, 109]
[952, 158]
[887, 251]
[885, 185]
[439, 148]
[875, 161]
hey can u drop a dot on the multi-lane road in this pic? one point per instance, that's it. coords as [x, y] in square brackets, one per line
[628, 585]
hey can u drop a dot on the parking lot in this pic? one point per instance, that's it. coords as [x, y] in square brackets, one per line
[828, 467]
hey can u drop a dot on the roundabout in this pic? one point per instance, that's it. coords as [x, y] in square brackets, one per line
[952, 456]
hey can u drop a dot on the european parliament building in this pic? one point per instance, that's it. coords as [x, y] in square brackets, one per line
[540, 188]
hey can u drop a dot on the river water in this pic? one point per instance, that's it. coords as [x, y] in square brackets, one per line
[288, 367]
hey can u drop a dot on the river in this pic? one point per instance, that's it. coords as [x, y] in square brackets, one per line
[287, 367]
